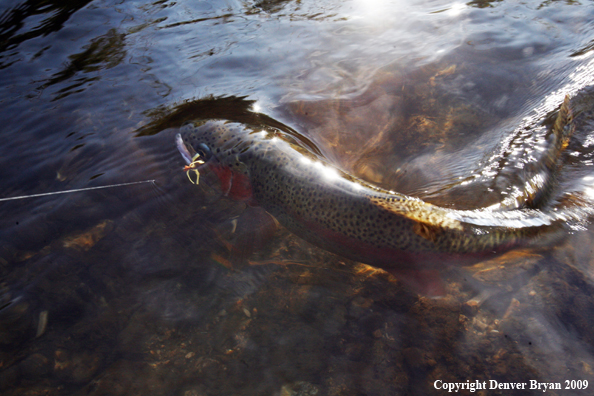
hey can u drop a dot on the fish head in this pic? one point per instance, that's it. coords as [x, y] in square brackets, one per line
[217, 146]
[214, 141]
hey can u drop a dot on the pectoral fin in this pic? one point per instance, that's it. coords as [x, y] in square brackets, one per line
[427, 231]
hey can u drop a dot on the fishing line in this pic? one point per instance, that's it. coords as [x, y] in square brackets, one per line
[77, 190]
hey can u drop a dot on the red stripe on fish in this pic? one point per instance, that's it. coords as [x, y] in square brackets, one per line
[233, 184]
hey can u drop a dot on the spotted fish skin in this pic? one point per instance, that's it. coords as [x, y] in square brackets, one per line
[351, 217]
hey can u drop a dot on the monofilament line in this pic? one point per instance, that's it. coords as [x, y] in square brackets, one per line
[75, 190]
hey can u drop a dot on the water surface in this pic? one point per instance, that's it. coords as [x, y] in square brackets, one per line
[133, 290]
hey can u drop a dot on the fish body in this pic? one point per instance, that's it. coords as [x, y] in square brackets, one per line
[349, 216]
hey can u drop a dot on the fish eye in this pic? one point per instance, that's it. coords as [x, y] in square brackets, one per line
[204, 151]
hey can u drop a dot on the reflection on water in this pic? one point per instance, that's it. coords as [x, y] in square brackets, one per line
[108, 49]
[170, 289]
[31, 19]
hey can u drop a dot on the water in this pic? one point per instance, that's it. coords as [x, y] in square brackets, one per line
[132, 290]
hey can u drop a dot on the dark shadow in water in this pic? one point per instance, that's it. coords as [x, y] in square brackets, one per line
[271, 6]
[103, 52]
[482, 3]
[493, 3]
[584, 50]
[231, 108]
[11, 21]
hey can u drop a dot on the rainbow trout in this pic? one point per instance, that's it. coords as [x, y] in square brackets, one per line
[348, 216]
